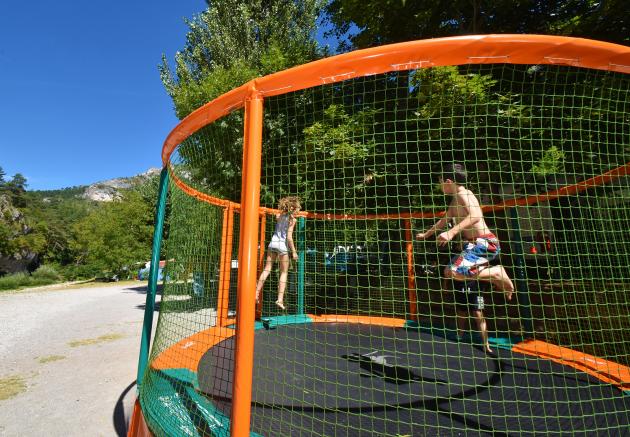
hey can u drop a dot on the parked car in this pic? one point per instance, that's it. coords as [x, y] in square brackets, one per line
[143, 273]
[357, 267]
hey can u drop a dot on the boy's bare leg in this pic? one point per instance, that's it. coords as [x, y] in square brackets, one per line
[482, 326]
[462, 318]
[495, 274]
[499, 278]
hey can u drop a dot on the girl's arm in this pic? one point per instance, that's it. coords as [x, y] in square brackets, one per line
[290, 243]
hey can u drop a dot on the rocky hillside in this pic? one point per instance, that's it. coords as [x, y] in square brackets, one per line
[37, 224]
[13, 227]
[106, 191]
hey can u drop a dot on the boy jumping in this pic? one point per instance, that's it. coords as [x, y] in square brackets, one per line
[482, 247]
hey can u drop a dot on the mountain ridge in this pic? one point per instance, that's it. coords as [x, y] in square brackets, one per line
[104, 191]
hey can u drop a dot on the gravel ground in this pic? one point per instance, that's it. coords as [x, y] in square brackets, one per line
[68, 359]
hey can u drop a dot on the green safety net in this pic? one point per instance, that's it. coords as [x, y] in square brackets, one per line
[369, 343]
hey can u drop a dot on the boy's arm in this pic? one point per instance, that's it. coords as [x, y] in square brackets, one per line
[440, 224]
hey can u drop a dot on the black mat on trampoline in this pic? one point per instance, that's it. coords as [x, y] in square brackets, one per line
[351, 379]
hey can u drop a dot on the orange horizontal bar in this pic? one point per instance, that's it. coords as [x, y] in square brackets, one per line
[198, 194]
[364, 320]
[604, 370]
[187, 353]
[568, 190]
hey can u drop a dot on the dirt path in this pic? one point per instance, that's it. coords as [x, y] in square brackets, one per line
[69, 359]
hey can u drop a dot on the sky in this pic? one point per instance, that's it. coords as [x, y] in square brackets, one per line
[81, 99]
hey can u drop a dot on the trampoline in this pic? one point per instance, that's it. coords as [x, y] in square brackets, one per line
[342, 375]
[367, 346]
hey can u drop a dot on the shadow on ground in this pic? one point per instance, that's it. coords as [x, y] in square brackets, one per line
[142, 289]
[123, 410]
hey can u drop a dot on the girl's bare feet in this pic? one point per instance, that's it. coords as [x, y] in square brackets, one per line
[280, 305]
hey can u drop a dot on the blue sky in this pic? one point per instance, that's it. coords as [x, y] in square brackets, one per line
[80, 95]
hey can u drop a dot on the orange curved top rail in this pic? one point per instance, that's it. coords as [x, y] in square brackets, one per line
[472, 49]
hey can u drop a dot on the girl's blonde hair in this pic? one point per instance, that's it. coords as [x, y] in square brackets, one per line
[289, 204]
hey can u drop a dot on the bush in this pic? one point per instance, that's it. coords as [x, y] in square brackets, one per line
[46, 272]
[44, 275]
[74, 272]
[15, 280]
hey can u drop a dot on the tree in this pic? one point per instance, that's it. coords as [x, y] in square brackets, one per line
[116, 235]
[53, 216]
[232, 42]
[18, 183]
[364, 24]
[229, 44]
[16, 188]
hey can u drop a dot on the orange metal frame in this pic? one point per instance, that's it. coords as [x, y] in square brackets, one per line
[487, 49]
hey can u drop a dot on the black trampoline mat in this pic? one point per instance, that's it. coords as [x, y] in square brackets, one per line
[354, 379]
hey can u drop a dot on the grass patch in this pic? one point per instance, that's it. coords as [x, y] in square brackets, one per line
[90, 341]
[11, 386]
[23, 280]
[51, 358]
[70, 286]
[44, 275]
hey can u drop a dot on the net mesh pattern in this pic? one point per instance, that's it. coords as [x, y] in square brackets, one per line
[365, 157]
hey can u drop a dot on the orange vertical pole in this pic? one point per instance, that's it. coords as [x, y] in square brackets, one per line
[411, 273]
[225, 265]
[261, 260]
[250, 202]
[261, 257]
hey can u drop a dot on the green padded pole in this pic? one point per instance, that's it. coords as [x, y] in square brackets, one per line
[521, 275]
[149, 307]
[301, 261]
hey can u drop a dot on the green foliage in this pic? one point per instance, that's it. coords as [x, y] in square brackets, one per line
[232, 42]
[51, 215]
[191, 222]
[336, 151]
[15, 281]
[15, 189]
[46, 272]
[79, 237]
[227, 45]
[44, 275]
[551, 162]
[338, 136]
[363, 24]
[116, 235]
[7, 245]
[443, 89]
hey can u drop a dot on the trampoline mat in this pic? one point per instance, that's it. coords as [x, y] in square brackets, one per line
[341, 378]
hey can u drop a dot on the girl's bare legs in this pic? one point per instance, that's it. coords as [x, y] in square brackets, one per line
[271, 257]
[282, 280]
